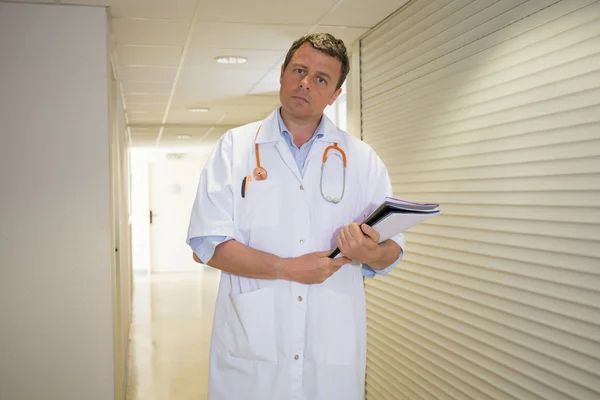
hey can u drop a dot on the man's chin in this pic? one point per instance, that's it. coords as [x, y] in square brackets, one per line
[300, 111]
[302, 114]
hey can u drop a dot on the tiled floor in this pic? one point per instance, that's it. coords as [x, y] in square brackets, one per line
[170, 335]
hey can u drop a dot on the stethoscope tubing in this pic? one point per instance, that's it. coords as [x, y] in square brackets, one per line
[261, 170]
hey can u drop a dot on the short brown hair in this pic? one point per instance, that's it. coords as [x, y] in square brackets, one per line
[326, 43]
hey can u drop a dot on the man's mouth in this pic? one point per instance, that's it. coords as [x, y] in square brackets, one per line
[302, 98]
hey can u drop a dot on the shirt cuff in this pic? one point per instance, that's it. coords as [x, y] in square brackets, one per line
[204, 246]
[369, 272]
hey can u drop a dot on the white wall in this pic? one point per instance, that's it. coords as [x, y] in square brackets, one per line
[121, 235]
[56, 332]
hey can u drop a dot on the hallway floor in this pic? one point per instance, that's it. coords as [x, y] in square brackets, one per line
[170, 335]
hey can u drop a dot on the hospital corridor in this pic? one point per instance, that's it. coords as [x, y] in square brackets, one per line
[399, 200]
[170, 335]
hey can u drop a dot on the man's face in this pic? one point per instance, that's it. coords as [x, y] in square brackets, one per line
[309, 83]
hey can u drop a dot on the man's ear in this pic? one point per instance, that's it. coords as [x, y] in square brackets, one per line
[336, 94]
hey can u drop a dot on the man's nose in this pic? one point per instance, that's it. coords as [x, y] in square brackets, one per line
[305, 83]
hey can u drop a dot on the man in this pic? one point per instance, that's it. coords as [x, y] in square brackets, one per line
[275, 197]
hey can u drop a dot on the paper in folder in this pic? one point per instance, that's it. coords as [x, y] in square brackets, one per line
[394, 216]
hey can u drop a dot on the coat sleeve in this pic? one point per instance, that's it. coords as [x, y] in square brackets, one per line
[212, 211]
[205, 246]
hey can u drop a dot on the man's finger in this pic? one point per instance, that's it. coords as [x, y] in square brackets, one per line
[340, 243]
[370, 232]
[354, 231]
[322, 254]
[338, 262]
[345, 237]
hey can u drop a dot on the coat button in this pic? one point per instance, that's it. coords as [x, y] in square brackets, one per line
[301, 187]
[301, 241]
[299, 298]
[296, 357]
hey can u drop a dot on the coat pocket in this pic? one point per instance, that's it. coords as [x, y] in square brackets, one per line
[336, 330]
[250, 329]
[261, 208]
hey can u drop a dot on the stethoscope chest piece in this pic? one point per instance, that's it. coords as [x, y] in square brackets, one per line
[260, 174]
[333, 200]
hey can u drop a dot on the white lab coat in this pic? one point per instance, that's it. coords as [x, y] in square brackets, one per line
[277, 339]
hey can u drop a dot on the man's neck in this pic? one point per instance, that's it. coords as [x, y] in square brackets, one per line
[301, 130]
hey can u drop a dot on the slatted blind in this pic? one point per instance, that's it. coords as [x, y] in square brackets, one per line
[492, 109]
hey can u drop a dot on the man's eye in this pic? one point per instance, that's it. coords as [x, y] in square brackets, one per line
[320, 80]
[299, 70]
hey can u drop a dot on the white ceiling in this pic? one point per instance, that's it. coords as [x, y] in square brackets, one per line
[165, 50]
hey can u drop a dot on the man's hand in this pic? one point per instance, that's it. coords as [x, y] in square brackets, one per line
[360, 245]
[310, 268]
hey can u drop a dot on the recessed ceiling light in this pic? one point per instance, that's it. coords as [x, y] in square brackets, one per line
[183, 137]
[231, 59]
[198, 109]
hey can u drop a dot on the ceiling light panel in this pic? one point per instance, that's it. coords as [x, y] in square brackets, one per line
[231, 60]
[178, 116]
[261, 59]
[191, 131]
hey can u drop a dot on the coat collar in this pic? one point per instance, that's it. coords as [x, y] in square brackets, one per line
[269, 130]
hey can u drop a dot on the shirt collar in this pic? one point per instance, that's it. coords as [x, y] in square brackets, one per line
[272, 128]
[284, 131]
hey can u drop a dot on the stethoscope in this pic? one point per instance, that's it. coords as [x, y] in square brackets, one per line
[260, 173]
